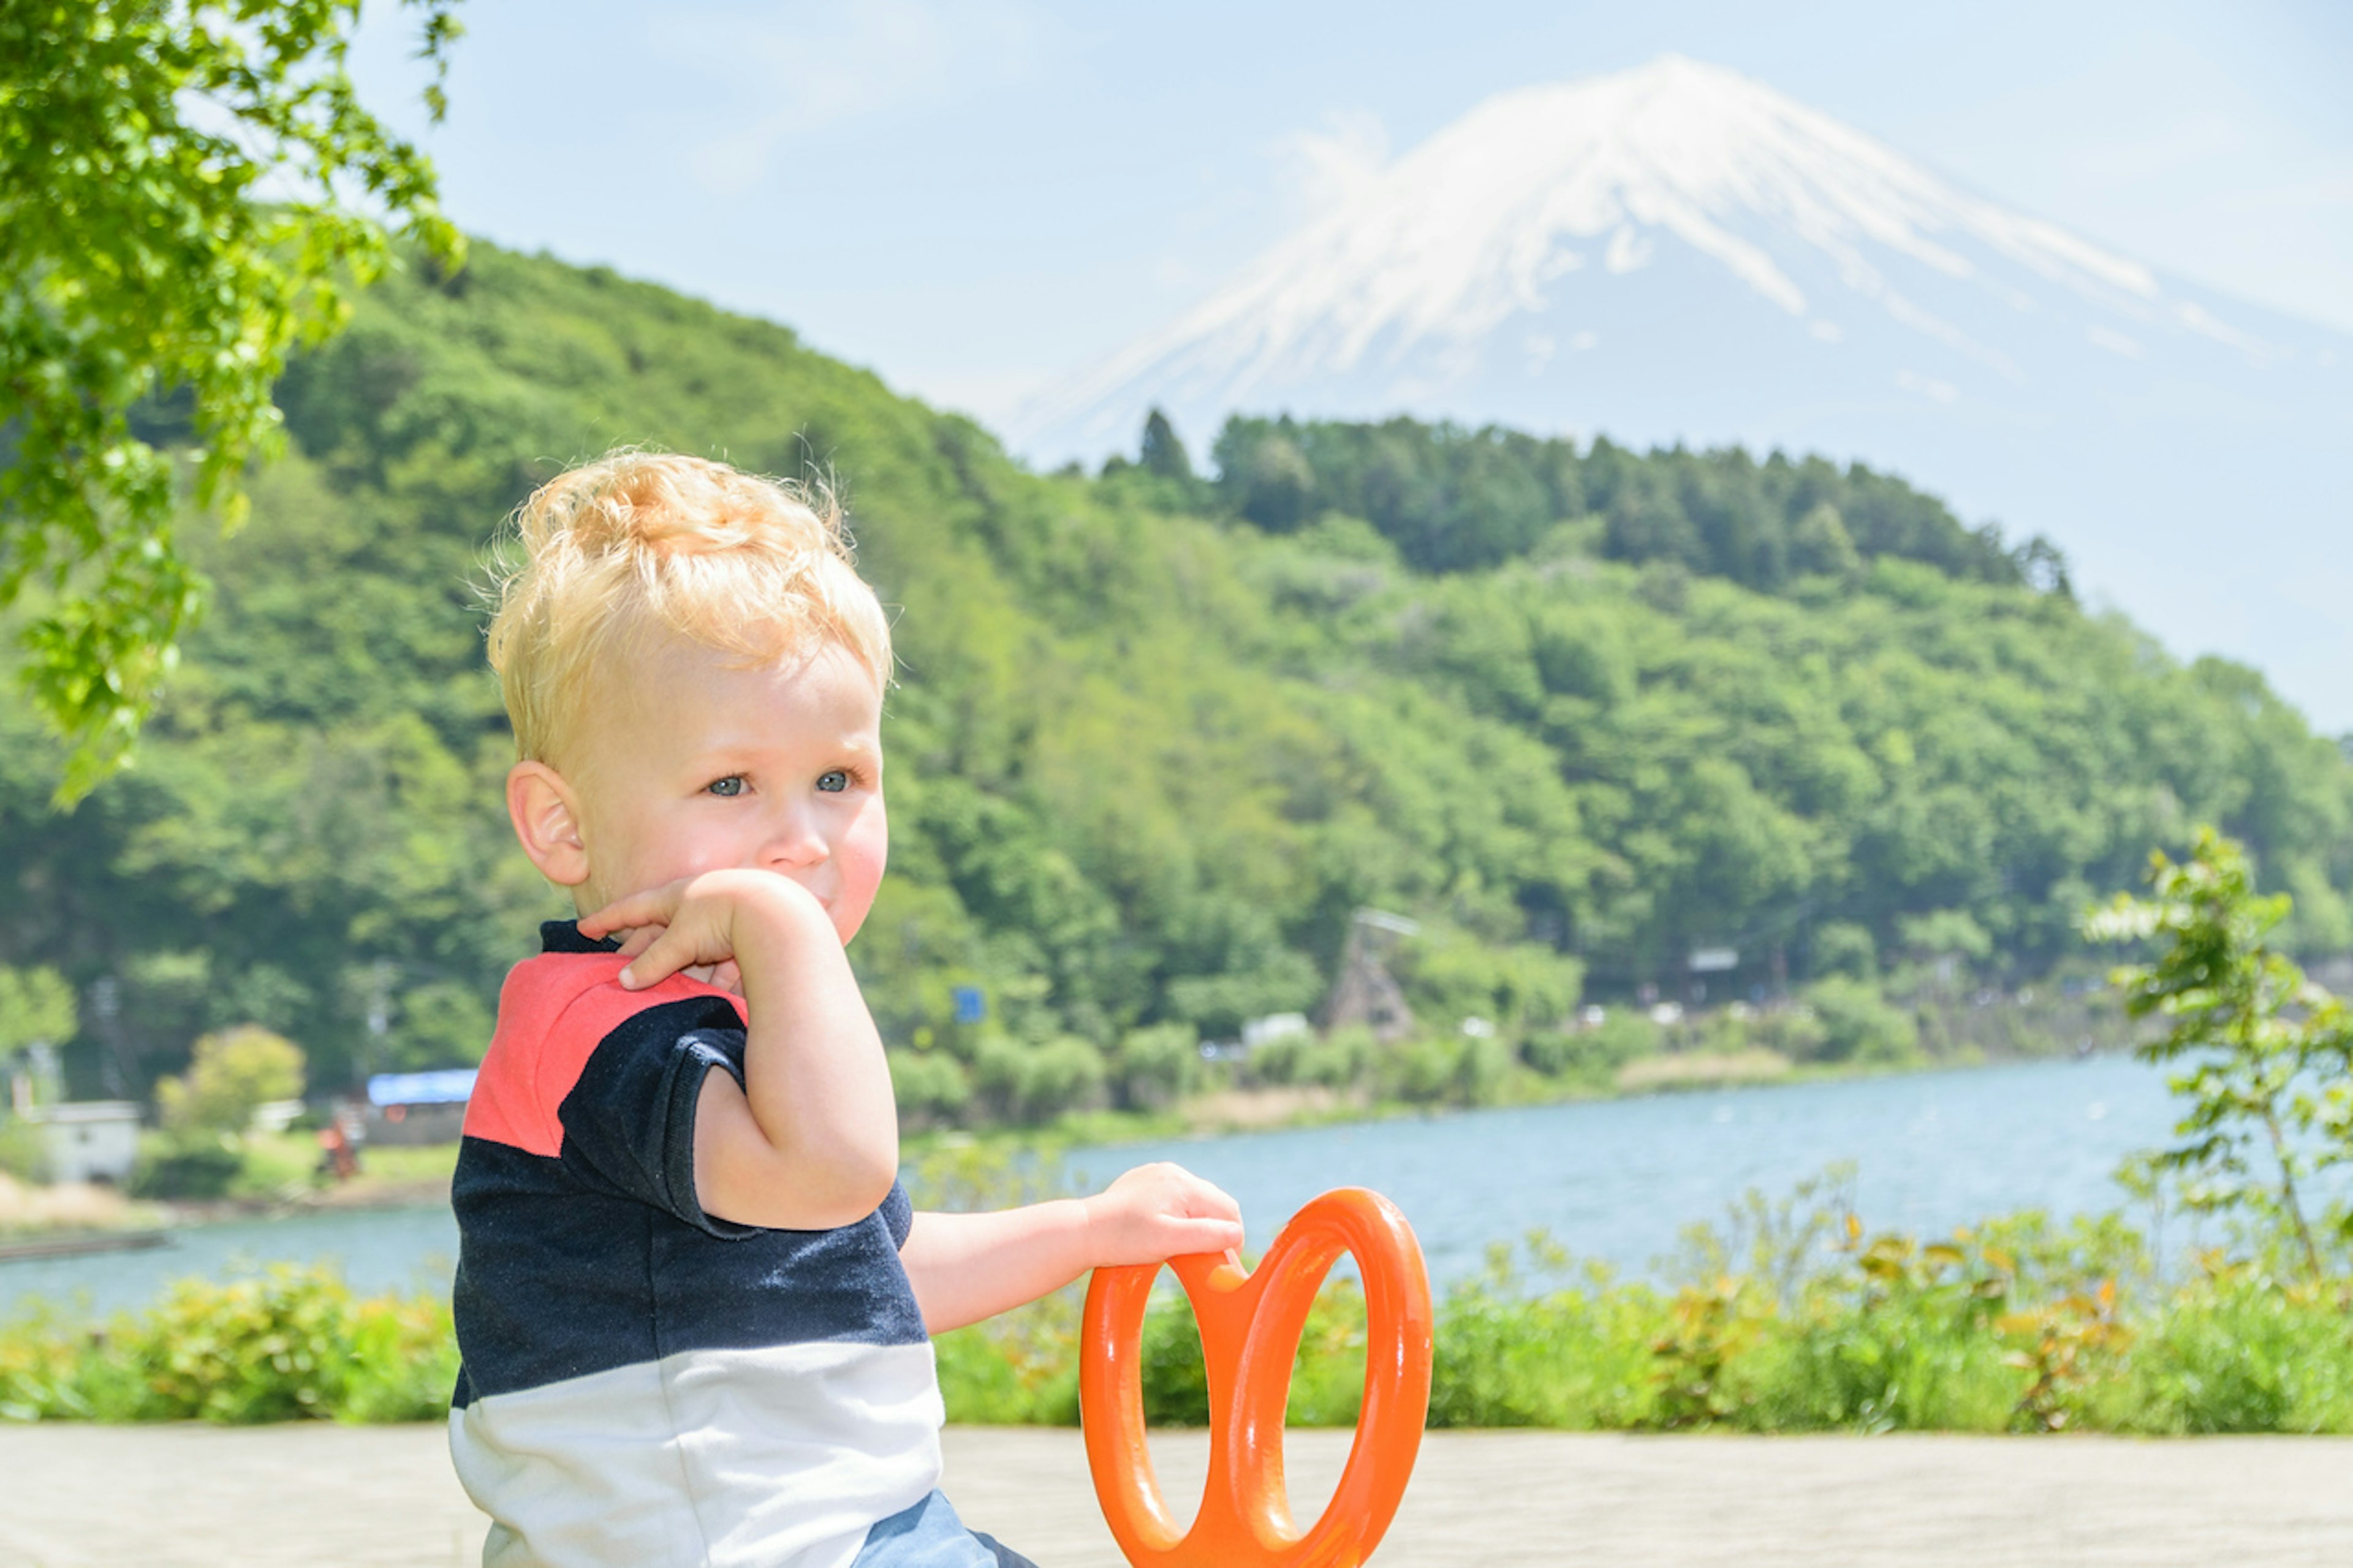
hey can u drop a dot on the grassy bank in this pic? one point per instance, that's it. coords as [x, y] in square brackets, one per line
[1790, 1318]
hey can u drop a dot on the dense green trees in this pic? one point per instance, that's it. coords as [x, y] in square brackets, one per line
[1158, 735]
[1453, 500]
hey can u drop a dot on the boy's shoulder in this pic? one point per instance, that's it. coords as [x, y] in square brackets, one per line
[554, 1009]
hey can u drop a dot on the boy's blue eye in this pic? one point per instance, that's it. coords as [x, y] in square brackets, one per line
[833, 780]
[732, 784]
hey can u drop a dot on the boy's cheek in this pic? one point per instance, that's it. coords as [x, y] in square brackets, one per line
[863, 854]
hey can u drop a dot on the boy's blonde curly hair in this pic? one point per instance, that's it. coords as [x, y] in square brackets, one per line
[637, 545]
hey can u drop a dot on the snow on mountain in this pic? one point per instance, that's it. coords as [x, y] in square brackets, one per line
[1678, 253]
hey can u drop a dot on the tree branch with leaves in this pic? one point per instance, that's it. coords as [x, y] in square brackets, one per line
[2265, 1055]
[186, 192]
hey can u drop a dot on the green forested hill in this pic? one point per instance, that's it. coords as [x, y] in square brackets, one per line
[1577, 710]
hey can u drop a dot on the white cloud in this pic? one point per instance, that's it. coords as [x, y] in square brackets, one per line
[1325, 170]
[2116, 342]
[778, 76]
[1927, 386]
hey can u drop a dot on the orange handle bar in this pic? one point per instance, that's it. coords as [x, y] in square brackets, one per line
[1251, 1325]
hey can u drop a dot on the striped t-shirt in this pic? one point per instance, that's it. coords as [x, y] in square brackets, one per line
[643, 1384]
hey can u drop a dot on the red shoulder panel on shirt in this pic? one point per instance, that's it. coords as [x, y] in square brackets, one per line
[552, 1010]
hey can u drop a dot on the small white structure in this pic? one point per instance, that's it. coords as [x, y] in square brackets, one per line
[90, 1140]
[1257, 1032]
[276, 1115]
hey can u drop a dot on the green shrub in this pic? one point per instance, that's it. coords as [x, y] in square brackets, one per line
[288, 1344]
[1796, 1032]
[1338, 1060]
[1843, 947]
[1021, 1370]
[1578, 1359]
[2238, 1352]
[1908, 1339]
[1438, 1070]
[233, 1073]
[1593, 1055]
[185, 1164]
[1859, 1026]
[22, 1155]
[1154, 1068]
[929, 1085]
[442, 1023]
[1450, 975]
[1027, 1084]
[1176, 1381]
[1276, 1062]
[1327, 1372]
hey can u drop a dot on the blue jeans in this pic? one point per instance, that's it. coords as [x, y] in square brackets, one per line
[930, 1535]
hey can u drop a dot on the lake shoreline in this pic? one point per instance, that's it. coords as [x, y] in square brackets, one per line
[1613, 1180]
[1230, 1113]
[28, 1211]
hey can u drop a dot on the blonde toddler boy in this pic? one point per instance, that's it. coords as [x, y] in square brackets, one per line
[693, 1303]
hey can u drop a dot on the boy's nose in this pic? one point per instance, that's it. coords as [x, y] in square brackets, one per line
[795, 843]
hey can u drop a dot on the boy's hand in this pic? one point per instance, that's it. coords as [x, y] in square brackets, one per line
[1158, 1212]
[699, 924]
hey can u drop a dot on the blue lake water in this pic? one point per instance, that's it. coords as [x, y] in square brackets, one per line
[1615, 1180]
[1618, 1179]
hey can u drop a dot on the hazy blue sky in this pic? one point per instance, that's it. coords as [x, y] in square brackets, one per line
[972, 198]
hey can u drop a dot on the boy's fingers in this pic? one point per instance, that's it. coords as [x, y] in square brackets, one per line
[1192, 1195]
[639, 938]
[619, 915]
[653, 907]
[1191, 1236]
[663, 957]
[1209, 1198]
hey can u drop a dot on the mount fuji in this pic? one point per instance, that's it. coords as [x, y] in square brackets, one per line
[1678, 253]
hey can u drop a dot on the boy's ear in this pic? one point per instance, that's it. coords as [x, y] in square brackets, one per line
[545, 817]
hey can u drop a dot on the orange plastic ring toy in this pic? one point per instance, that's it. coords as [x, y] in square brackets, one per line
[1251, 1323]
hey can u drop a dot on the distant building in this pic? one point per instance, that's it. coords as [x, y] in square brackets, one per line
[88, 1141]
[1364, 993]
[417, 1107]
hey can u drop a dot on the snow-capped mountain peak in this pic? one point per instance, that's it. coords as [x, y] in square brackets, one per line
[1464, 279]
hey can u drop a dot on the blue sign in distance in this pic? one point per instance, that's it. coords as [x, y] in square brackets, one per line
[971, 1004]
[447, 1088]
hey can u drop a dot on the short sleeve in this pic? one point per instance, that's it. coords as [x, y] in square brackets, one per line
[628, 1122]
[897, 1212]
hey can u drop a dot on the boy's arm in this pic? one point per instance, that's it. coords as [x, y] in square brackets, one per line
[968, 1267]
[811, 1141]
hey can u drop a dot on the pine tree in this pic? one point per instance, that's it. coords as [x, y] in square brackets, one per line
[1163, 453]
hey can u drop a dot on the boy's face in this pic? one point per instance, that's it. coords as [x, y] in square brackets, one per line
[697, 765]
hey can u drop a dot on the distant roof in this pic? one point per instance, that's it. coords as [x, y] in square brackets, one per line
[88, 1111]
[448, 1087]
